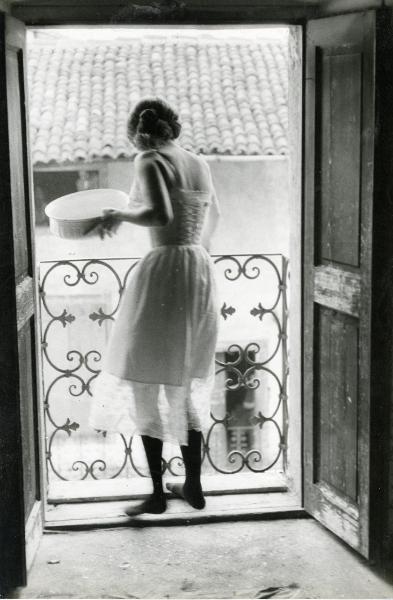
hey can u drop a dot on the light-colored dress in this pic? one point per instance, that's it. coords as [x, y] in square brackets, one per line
[158, 370]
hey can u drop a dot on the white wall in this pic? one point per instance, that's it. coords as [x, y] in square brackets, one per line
[253, 194]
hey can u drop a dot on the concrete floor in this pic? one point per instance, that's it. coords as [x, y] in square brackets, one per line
[223, 560]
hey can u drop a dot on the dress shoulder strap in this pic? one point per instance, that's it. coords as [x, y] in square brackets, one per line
[167, 168]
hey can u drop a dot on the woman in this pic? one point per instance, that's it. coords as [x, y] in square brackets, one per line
[159, 365]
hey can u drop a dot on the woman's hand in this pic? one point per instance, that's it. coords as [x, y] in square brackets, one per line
[109, 223]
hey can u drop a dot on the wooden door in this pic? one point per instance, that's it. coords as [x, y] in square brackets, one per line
[338, 172]
[20, 513]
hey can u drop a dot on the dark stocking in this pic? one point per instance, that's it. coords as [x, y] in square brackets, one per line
[153, 449]
[192, 489]
[156, 502]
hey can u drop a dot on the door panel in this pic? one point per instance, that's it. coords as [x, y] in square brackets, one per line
[337, 269]
[336, 359]
[340, 153]
[21, 507]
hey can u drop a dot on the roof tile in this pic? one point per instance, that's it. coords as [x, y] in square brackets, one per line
[231, 95]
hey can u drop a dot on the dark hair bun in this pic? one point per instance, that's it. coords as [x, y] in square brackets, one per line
[147, 120]
[152, 123]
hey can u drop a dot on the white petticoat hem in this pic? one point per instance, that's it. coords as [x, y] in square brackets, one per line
[161, 411]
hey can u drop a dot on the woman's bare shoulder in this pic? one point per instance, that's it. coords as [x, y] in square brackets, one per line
[150, 162]
[147, 161]
[146, 156]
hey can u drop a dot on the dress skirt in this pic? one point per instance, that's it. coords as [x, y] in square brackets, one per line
[158, 370]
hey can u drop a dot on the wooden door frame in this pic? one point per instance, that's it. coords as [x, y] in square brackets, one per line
[381, 417]
[12, 496]
[194, 12]
[295, 12]
[173, 12]
[18, 299]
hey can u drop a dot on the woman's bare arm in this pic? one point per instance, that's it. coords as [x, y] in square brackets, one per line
[154, 190]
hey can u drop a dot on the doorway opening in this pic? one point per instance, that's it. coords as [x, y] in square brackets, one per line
[238, 93]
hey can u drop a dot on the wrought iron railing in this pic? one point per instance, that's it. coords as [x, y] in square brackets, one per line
[249, 415]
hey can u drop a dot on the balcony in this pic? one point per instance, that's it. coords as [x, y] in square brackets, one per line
[245, 447]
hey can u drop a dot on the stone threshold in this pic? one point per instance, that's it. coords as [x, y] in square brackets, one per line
[106, 490]
[236, 507]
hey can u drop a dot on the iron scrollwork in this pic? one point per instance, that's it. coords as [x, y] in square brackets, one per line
[244, 368]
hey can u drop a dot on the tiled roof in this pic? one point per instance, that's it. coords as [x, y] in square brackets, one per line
[231, 95]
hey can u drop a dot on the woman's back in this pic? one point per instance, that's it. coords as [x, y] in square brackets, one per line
[189, 171]
[189, 186]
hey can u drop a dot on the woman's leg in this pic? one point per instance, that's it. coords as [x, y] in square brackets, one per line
[191, 490]
[193, 462]
[156, 503]
[153, 449]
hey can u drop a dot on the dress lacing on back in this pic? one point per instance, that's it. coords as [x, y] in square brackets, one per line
[189, 208]
[189, 212]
